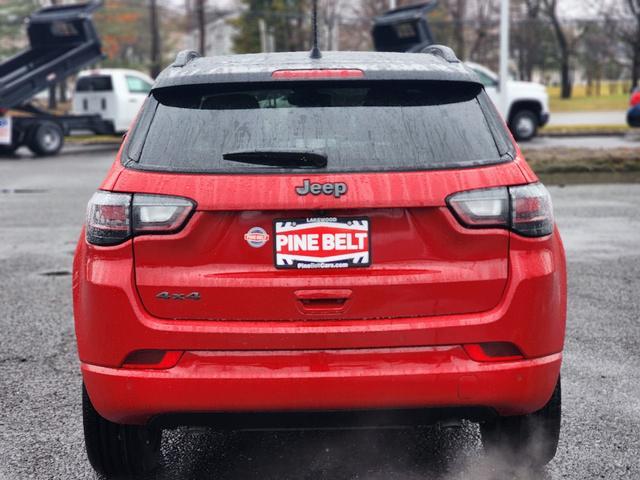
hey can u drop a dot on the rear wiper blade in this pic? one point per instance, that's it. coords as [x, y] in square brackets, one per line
[279, 158]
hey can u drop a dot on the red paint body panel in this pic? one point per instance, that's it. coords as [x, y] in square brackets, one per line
[277, 192]
[396, 339]
[423, 263]
[331, 380]
[530, 314]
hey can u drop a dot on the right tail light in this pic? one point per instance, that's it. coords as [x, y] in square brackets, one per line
[526, 209]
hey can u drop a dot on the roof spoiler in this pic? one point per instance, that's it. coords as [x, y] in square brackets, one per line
[183, 57]
[404, 28]
[442, 51]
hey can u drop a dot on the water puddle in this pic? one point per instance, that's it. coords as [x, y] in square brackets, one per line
[56, 273]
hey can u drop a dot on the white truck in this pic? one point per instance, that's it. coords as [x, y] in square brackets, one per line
[406, 29]
[116, 94]
[528, 103]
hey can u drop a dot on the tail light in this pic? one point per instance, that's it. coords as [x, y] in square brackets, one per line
[635, 98]
[152, 359]
[314, 74]
[113, 218]
[526, 209]
[493, 352]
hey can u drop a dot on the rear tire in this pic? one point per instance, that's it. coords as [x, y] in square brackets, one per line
[47, 138]
[118, 450]
[530, 440]
[524, 125]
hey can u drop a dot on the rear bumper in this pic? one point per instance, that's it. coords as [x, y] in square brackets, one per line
[320, 365]
[297, 381]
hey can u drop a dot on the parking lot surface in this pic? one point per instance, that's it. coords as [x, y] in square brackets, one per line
[42, 205]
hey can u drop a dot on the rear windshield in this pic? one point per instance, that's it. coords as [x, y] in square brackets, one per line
[94, 83]
[357, 126]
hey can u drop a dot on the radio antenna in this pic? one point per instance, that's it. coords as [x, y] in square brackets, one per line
[315, 51]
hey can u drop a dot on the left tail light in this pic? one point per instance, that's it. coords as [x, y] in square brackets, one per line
[113, 218]
[525, 209]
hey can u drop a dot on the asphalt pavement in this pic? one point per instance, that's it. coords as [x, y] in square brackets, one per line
[629, 140]
[42, 204]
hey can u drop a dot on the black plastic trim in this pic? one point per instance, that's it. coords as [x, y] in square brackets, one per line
[323, 420]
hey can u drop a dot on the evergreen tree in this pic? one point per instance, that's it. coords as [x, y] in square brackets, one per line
[286, 21]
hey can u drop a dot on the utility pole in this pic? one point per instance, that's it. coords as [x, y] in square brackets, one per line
[504, 56]
[202, 25]
[264, 40]
[53, 100]
[392, 4]
[155, 39]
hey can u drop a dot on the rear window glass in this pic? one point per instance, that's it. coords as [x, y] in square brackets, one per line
[358, 126]
[94, 83]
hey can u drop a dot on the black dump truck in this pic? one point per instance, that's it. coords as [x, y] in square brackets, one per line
[404, 29]
[62, 41]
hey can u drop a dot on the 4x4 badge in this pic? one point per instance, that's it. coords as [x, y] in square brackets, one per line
[336, 189]
[178, 296]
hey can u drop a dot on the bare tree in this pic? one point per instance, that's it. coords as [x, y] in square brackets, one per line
[457, 10]
[202, 25]
[329, 12]
[526, 37]
[550, 9]
[53, 99]
[156, 61]
[358, 35]
[631, 38]
[482, 37]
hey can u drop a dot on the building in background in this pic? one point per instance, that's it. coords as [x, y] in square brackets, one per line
[218, 27]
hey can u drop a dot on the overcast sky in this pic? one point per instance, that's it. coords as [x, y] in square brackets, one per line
[568, 8]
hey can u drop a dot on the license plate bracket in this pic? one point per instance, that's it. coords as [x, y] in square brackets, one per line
[322, 243]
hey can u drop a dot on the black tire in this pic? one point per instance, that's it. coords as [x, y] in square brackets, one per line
[118, 450]
[524, 125]
[527, 440]
[46, 138]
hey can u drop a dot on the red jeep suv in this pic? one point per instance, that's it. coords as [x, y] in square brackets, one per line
[285, 241]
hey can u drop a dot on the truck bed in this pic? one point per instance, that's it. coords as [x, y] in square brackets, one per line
[62, 41]
[31, 71]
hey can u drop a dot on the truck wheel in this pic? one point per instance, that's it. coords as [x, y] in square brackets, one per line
[524, 125]
[530, 440]
[47, 138]
[118, 450]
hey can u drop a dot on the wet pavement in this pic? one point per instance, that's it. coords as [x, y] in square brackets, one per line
[42, 205]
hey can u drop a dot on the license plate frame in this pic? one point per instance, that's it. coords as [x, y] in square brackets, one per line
[352, 249]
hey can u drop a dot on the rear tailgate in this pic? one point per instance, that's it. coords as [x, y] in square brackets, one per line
[364, 234]
[422, 262]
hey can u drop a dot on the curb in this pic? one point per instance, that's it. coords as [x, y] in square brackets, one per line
[586, 130]
[582, 134]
